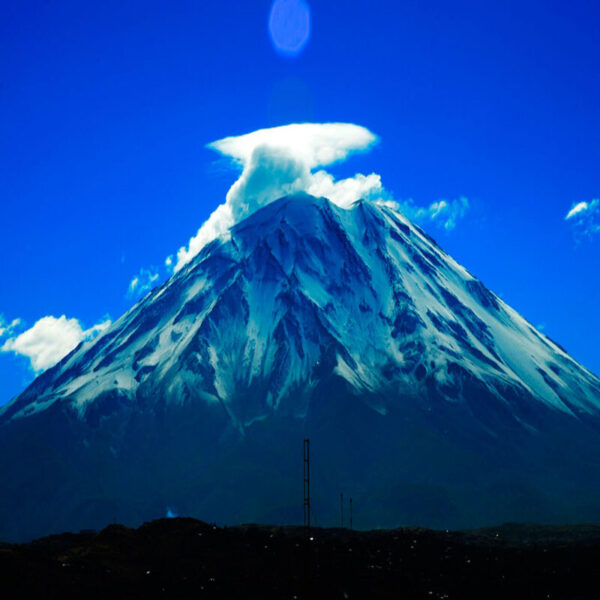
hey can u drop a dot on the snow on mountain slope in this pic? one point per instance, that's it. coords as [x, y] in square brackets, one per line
[303, 289]
[424, 394]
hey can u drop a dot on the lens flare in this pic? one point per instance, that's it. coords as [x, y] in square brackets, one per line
[289, 26]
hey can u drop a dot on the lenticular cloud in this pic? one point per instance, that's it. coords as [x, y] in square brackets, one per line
[280, 161]
[315, 144]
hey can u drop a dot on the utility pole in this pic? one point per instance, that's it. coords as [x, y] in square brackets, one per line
[342, 508]
[307, 485]
[350, 513]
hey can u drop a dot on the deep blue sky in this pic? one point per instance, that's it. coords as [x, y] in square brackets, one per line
[105, 110]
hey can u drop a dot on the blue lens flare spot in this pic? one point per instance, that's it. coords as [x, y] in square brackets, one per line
[289, 26]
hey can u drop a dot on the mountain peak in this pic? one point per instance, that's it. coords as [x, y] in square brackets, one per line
[307, 314]
[304, 282]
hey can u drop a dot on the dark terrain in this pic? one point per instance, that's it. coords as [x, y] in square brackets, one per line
[185, 558]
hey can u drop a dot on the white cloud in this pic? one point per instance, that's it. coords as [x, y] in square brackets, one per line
[447, 213]
[346, 191]
[279, 161]
[142, 283]
[282, 160]
[312, 144]
[585, 217]
[50, 339]
[8, 328]
[577, 209]
[443, 213]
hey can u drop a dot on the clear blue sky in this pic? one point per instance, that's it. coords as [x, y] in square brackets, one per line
[105, 110]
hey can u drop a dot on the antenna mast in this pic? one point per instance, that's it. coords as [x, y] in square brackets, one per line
[350, 513]
[307, 485]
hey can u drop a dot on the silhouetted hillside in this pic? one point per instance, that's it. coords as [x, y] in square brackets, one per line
[185, 558]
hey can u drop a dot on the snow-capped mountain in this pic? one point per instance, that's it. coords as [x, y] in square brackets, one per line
[420, 387]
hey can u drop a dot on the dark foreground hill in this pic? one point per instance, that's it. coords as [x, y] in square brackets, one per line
[185, 558]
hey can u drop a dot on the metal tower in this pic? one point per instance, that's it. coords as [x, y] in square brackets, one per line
[350, 513]
[307, 484]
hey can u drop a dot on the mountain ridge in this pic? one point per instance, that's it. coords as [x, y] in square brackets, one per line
[269, 262]
[422, 389]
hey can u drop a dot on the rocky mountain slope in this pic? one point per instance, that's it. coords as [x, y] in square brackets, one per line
[425, 396]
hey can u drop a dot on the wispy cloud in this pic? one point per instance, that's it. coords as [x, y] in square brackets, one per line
[7, 328]
[50, 339]
[585, 217]
[142, 282]
[442, 213]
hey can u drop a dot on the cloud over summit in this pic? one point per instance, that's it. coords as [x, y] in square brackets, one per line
[279, 161]
[284, 160]
[312, 144]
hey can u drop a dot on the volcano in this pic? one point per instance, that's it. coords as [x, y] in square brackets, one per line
[426, 398]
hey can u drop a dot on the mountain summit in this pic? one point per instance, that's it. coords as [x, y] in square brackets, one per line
[425, 396]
